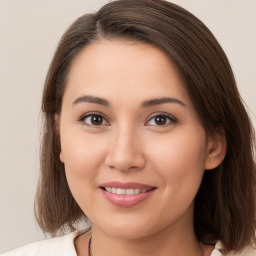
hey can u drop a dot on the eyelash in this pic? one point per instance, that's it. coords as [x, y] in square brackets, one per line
[82, 119]
[171, 119]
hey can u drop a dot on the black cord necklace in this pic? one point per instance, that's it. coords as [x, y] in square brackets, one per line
[89, 247]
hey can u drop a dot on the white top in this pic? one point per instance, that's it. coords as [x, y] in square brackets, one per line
[64, 246]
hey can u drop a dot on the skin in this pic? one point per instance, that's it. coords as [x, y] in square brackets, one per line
[130, 145]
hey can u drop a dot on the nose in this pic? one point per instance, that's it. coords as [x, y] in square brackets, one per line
[125, 151]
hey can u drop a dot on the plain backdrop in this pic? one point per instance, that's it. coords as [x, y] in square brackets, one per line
[29, 32]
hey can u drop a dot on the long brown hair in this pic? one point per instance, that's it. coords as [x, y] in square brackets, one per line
[225, 203]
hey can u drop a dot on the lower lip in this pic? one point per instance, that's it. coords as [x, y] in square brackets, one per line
[126, 200]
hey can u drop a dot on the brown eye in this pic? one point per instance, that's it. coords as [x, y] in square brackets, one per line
[94, 120]
[160, 120]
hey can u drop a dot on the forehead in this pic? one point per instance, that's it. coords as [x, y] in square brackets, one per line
[116, 68]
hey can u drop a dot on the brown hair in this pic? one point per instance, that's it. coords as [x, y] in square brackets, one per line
[225, 203]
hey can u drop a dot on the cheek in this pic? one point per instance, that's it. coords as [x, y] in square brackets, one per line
[180, 162]
[180, 157]
[83, 159]
[79, 152]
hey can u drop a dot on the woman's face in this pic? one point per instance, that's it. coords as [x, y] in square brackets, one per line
[132, 144]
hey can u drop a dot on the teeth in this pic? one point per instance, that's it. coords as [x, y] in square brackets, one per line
[136, 191]
[108, 189]
[120, 191]
[129, 191]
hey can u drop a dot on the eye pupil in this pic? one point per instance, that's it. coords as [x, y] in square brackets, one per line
[96, 120]
[160, 120]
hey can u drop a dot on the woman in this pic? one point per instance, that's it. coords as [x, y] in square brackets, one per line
[145, 135]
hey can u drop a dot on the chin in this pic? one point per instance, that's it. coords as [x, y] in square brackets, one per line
[126, 230]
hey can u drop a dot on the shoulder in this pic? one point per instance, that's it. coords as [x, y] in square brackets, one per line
[51, 247]
[247, 251]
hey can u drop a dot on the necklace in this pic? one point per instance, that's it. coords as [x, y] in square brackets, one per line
[89, 247]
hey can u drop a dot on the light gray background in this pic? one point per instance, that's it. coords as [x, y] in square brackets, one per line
[29, 32]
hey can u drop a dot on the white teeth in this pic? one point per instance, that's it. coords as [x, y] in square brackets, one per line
[136, 191]
[129, 191]
[108, 189]
[120, 191]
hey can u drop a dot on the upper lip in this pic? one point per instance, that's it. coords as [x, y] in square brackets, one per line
[126, 185]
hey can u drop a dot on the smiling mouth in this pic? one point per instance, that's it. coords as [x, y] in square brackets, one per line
[129, 191]
[126, 194]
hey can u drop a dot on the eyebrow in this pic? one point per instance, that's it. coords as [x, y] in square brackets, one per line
[158, 101]
[92, 99]
[145, 104]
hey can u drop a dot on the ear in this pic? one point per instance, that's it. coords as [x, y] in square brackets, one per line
[57, 131]
[61, 157]
[216, 150]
